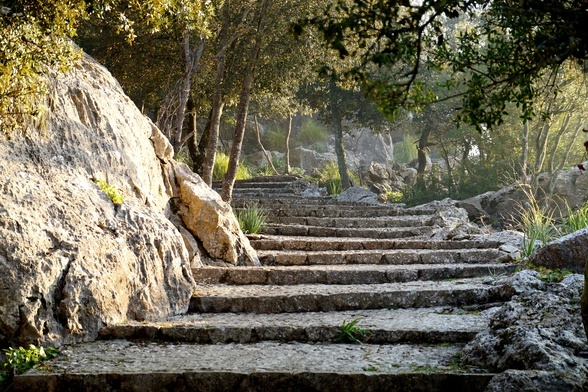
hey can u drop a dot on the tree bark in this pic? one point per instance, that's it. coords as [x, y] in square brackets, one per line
[524, 152]
[287, 168]
[218, 103]
[339, 147]
[422, 151]
[192, 58]
[191, 122]
[242, 109]
[263, 150]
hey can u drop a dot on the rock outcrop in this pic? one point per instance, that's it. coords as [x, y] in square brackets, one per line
[71, 260]
[536, 338]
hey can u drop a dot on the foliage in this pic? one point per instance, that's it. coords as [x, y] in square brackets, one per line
[351, 333]
[394, 196]
[536, 223]
[547, 274]
[113, 193]
[33, 43]
[311, 134]
[504, 49]
[330, 178]
[221, 165]
[19, 360]
[539, 226]
[252, 218]
[575, 220]
[405, 150]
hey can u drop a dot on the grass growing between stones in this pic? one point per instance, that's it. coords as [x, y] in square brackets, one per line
[351, 333]
[547, 274]
[252, 219]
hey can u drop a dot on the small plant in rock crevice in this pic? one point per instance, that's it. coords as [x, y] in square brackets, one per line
[351, 333]
[252, 218]
[113, 193]
[548, 274]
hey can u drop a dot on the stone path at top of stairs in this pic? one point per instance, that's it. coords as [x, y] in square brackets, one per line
[277, 327]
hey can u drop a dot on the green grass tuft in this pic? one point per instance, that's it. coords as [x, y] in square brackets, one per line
[221, 166]
[351, 333]
[252, 218]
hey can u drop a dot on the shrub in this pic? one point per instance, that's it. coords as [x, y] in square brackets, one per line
[312, 134]
[575, 220]
[252, 218]
[405, 151]
[221, 166]
[19, 360]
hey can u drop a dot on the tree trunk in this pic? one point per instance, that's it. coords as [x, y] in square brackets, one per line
[422, 151]
[242, 109]
[200, 153]
[191, 122]
[263, 150]
[287, 168]
[339, 147]
[525, 152]
[192, 58]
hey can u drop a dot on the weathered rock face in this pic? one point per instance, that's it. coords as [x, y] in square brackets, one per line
[70, 260]
[212, 220]
[539, 333]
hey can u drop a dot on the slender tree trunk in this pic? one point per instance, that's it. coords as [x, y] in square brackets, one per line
[200, 153]
[263, 150]
[191, 122]
[339, 147]
[525, 152]
[242, 109]
[287, 168]
[212, 140]
[192, 58]
[422, 151]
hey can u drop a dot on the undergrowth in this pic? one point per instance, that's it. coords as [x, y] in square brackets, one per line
[221, 166]
[252, 218]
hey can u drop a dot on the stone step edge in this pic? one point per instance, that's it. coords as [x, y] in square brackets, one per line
[321, 274]
[302, 243]
[416, 326]
[349, 298]
[422, 379]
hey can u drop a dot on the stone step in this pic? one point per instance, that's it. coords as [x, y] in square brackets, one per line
[254, 185]
[392, 256]
[318, 231]
[348, 274]
[359, 223]
[328, 298]
[267, 366]
[333, 209]
[383, 326]
[270, 242]
[287, 179]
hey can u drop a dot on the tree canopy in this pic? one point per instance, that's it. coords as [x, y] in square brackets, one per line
[497, 59]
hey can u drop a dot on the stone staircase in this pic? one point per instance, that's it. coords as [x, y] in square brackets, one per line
[280, 327]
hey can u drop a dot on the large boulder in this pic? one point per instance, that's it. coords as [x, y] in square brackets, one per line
[71, 260]
[309, 159]
[568, 252]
